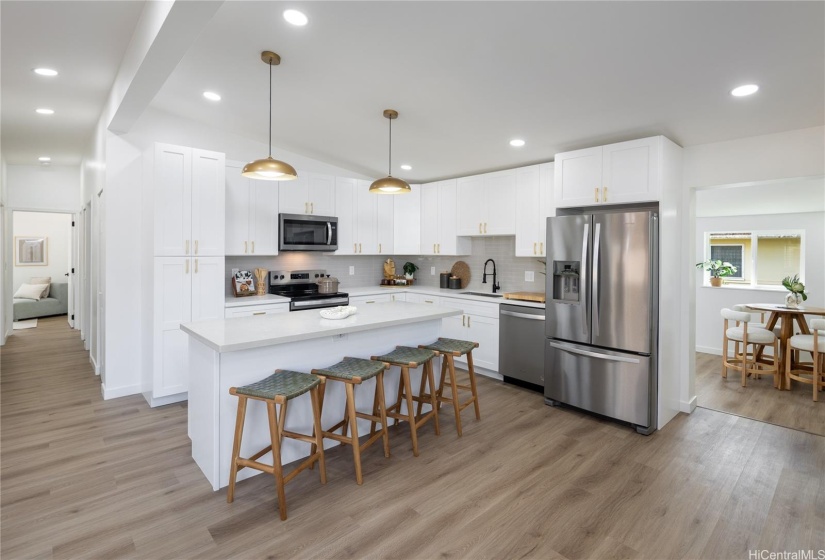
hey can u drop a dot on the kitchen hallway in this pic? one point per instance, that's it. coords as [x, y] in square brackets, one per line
[83, 477]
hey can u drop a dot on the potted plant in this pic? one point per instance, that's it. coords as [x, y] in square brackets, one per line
[409, 269]
[718, 270]
[797, 291]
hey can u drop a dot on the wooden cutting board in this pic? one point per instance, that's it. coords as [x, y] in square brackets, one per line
[526, 296]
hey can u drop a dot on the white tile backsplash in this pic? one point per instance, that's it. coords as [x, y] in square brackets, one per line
[369, 269]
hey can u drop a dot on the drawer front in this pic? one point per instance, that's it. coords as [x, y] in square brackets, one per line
[469, 307]
[250, 310]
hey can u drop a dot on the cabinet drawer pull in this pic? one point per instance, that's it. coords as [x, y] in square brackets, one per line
[428, 301]
[371, 301]
[260, 313]
[604, 194]
[597, 194]
[253, 246]
[186, 267]
[246, 246]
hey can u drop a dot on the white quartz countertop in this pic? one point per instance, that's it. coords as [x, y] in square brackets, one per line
[244, 333]
[441, 292]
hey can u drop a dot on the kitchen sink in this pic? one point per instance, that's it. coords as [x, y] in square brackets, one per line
[484, 294]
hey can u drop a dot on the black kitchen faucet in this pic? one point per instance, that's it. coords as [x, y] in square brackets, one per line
[484, 277]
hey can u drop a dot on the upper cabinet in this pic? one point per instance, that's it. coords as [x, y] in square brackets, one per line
[487, 204]
[310, 193]
[365, 219]
[251, 213]
[439, 232]
[534, 197]
[406, 222]
[620, 173]
[189, 189]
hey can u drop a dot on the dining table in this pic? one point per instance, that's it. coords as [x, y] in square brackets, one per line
[789, 316]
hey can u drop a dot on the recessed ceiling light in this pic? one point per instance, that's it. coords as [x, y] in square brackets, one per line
[44, 111]
[295, 17]
[742, 91]
[212, 96]
[44, 158]
[45, 71]
[517, 142]
[406, 167]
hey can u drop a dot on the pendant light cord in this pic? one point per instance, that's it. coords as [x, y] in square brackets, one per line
[270, 107]
[389, 171]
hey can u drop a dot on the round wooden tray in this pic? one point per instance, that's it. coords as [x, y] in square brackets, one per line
[462, 270]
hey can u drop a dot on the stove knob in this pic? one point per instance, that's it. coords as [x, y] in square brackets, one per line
[281, 277]
[317, 276]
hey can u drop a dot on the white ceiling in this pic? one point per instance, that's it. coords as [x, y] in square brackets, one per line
[466, 77]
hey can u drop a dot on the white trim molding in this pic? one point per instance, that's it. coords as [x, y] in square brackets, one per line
[117, 392]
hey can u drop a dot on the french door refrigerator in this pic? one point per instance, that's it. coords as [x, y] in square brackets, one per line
[602, 314]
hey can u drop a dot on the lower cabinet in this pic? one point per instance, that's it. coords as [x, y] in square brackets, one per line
[260, 309]
[364, 300]
[478, 323]
[185, 289]
[422, 298]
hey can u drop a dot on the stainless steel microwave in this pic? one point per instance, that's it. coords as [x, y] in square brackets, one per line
[303, 232]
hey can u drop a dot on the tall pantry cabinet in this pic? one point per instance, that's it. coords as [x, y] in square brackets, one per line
[186, 216]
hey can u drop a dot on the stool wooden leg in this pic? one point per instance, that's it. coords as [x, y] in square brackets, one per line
[421, 393]
[374, 408]
[274, 432]
[400, 396]
[236, 448]
[379, 389]
[428, 370]
[318, 446]
[473, 387]
[725, 355]
[441, 379]
[318, 432]
[454, 388]
[353, 421]
[405, 379]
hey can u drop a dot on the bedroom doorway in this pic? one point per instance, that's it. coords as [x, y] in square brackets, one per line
[43, 262]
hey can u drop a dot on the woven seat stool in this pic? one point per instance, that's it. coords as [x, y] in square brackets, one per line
[352, 372]
[449, 349]
[278, 389]
[406, 357]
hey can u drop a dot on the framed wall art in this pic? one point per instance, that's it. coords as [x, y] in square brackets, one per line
[31, 251]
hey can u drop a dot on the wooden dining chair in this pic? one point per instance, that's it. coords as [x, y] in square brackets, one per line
[815, 344]
[761, 324]
[745, 362]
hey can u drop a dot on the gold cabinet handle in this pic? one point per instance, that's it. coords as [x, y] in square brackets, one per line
[597, 194]
[463, 320]
[246, 246]
[379, 252]
[468, 321]
[479, 227]
[196, 266]
[534, 248]
[428, 301]
[311, 207]
[360, 248]
[485, 227]
[372, 301]
[196, 246]
[433, 247]
[260, 313]
[186, 267]
[306, 207]
[253, 246]
[604, 194]
[541, 247]
[187, 248]
[439, 248]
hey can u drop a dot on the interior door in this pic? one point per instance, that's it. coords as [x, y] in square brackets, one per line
[569, 246]
[622, 281]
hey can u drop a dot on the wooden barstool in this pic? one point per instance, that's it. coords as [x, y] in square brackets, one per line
[449, 349]
[815, 344]
[406, 357]
[352, 372]
[277, 389]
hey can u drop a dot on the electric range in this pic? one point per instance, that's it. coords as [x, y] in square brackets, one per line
[301, 287]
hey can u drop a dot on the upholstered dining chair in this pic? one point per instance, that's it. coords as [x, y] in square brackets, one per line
[761, 324]
[747, 336]
[815, 344]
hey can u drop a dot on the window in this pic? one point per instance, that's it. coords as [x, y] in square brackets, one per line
[761, 258]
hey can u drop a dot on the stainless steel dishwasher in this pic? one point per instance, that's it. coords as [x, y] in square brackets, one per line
[521, 345]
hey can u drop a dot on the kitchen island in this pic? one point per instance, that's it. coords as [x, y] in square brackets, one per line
[233, 352]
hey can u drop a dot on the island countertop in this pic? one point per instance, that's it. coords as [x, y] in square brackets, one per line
[243, 333]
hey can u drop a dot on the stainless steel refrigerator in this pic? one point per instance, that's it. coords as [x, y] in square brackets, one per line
[602, 314]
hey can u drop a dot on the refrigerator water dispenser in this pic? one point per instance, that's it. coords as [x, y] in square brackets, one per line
[566, 281]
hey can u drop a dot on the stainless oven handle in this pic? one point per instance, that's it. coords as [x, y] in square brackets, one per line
[523, 315]
[329, 302]
[594, 354]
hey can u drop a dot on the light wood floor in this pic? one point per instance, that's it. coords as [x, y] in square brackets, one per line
[84, 478]
[759, 400]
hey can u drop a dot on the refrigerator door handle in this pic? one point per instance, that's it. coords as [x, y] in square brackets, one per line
[583, 280]
[594, 295]
[589, 354]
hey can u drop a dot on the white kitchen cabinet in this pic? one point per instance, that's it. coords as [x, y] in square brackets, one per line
[413, 297]
[478, 323]
[439, 233]
[251, 214]
[534, 196]
[310, 193]
[365, 219]
[345, 211]
[185, 289]
[487, 204]
[407, 222]
[384, 223]
[621, 173]
[366, 300]
[260, 309]
[189, 187]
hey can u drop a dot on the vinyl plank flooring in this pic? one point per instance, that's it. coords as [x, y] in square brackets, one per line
[86, 478]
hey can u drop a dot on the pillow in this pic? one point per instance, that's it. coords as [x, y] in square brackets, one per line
[43, 280]
[29, 291]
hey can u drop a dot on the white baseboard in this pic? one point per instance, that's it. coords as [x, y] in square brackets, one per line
[708, 350]
[116, 392]
[169, 399]
[688, 406]
[94, 365]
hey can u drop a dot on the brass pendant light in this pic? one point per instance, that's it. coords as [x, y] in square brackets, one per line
[270, 169]
[389, 184]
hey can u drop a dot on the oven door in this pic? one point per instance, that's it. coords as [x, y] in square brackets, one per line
[299, 304]
[300, 232]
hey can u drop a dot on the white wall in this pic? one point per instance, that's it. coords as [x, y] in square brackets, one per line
[43, 187]
[57, 227]
[5, 265]
[710, 300]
